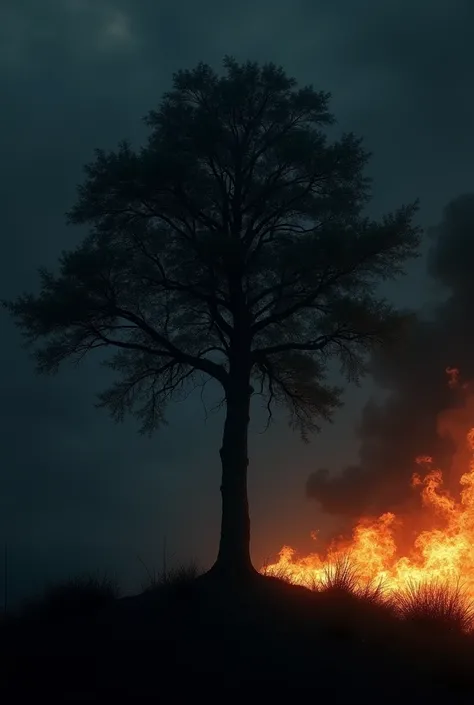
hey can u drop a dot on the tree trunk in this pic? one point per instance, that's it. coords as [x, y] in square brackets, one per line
[233, 560]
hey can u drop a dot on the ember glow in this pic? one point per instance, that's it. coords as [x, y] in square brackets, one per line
[442, 554]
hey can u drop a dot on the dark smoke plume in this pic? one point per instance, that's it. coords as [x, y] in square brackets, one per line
[392, 434]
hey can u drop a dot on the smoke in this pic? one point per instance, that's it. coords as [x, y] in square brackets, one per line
[410, 422]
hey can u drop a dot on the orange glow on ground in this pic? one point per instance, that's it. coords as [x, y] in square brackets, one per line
[443, 554]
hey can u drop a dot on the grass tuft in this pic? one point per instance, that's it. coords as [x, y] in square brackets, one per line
[178, 578]
[73, 599]
[282, 574]
[435, 606]
[340, 577]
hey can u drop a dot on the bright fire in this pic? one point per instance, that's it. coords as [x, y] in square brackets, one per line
[444, 554]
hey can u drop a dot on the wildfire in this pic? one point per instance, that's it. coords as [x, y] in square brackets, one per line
[442, 554]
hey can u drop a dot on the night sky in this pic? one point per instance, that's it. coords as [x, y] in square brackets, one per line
[77, 492]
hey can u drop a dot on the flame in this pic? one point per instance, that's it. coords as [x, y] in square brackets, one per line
[443, 553]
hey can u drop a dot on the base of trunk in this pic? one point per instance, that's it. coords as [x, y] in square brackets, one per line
[225, 573]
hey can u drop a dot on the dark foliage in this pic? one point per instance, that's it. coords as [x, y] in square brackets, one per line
[237, 222]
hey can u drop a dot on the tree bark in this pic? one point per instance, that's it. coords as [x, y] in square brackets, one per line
[233, 560]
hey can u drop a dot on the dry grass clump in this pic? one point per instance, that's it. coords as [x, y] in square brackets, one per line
[435, 606]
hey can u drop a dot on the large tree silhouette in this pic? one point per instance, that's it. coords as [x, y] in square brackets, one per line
[232, 246]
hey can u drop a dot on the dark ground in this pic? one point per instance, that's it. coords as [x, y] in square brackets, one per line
[200, 639]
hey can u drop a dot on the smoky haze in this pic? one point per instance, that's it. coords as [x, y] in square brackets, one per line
[408, 422]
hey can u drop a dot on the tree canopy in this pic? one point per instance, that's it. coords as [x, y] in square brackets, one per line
[235, 238]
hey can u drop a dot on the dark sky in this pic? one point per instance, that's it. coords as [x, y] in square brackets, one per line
[77, 492]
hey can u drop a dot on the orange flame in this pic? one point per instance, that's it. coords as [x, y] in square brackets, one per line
[443, 554]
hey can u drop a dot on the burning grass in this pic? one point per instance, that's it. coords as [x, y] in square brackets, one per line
[362, 608]
[444, 606]
[440, 554]
[342, 576]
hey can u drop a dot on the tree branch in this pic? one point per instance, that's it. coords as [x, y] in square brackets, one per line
[311, 346]
[207, 366]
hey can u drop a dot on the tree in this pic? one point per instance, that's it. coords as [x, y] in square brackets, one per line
[232, 246]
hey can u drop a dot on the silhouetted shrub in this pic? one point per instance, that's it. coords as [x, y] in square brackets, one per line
[173, 580]
[73, 599]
